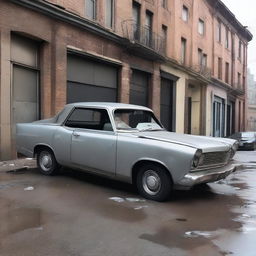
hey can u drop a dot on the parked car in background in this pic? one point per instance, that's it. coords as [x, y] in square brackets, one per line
[247, 140]
[128, 143]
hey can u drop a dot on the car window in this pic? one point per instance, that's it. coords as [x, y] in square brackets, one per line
[132, 119]
[94, 119]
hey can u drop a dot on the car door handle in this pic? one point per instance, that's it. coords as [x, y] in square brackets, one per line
[75, 134]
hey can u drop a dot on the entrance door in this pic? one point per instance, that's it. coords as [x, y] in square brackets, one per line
[218, 117]
[167, 103]
[25, 95]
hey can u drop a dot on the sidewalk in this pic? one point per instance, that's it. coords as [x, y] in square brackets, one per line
[17, 164]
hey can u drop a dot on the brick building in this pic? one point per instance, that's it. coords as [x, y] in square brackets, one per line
[251, 117]
[186, 59]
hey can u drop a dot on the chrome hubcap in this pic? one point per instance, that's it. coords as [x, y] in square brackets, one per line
[151, 182]
[45, 161]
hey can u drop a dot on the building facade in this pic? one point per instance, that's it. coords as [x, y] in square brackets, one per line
[186, 59]
[251, 102]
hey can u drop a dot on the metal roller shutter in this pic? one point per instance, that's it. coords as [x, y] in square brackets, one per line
[139, 88]
[90, 80]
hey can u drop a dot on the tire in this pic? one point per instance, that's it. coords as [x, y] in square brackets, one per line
[46, 162]
[154, 183]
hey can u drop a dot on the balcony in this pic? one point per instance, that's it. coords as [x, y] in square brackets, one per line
[203, 71]
[239, 88]
[143, 41]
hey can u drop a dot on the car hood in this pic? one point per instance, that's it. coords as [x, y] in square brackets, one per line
[206, 144]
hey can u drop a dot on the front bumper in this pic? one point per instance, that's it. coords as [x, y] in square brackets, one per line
[194, 178]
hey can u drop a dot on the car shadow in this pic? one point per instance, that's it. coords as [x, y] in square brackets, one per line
[202, 192]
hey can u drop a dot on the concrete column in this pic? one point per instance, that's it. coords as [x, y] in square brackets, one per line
[5, 95]
[155, 95]
[125, 78]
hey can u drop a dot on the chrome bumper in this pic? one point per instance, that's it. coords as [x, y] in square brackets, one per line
[206, 176]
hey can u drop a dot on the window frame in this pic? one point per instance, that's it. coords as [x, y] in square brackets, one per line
[89, 108]
[112, 14]
[165, 37]
[94, 14]
[227, 75]
[227, 38]
[183, 50]
[185, 10]
[164, 4]
[201, 22]
[219, 31]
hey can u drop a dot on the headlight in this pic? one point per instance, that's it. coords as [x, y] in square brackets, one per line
[197, 159]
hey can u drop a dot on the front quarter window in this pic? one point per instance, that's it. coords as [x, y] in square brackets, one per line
[136, 120]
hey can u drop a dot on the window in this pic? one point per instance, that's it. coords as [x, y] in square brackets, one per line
[200, 57]
[94, 119]
[148, 28]
[164, 4]
[219, 31]
[220, 68]
[109, 14]
[164, 35]
[204, 60]
[239, 79]
[227, 38]
[185, 13]
[227, 73]
[136, 20]
[90, 9]
[183, 50]
[240, 50]
[201, 27]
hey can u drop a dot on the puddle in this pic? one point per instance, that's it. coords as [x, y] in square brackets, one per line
[117, 199]
[130, 199]
[28, 188]
[18, 171]
[19, 219]
[193, 234]
[140, 207]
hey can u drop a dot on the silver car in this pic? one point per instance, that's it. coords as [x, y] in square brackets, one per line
[128, 143]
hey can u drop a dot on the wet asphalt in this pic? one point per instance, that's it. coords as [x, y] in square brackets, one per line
[79, 214]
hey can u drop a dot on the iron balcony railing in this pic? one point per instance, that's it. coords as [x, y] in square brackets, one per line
[239, 86]
[203, 70]
[143, 35]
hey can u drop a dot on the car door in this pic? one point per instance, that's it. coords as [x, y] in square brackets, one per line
[93, 143]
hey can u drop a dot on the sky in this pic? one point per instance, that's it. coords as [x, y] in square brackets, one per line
[245, 12]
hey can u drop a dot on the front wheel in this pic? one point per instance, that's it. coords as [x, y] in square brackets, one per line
[46, 162]
[154, 183]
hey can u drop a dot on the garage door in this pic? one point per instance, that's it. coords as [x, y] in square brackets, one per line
[90, 80]
[139, 88]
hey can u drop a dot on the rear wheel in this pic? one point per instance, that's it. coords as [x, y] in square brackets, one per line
[46, 162]
[154, 183]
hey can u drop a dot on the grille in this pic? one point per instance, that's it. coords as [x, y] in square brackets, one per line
[215, 158]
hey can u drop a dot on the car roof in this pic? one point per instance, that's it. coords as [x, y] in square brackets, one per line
[108, 105]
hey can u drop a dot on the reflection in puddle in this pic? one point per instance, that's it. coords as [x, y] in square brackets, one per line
[19, 219]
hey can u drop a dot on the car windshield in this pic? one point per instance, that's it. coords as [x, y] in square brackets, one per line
[136, 120]
[247, 135]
